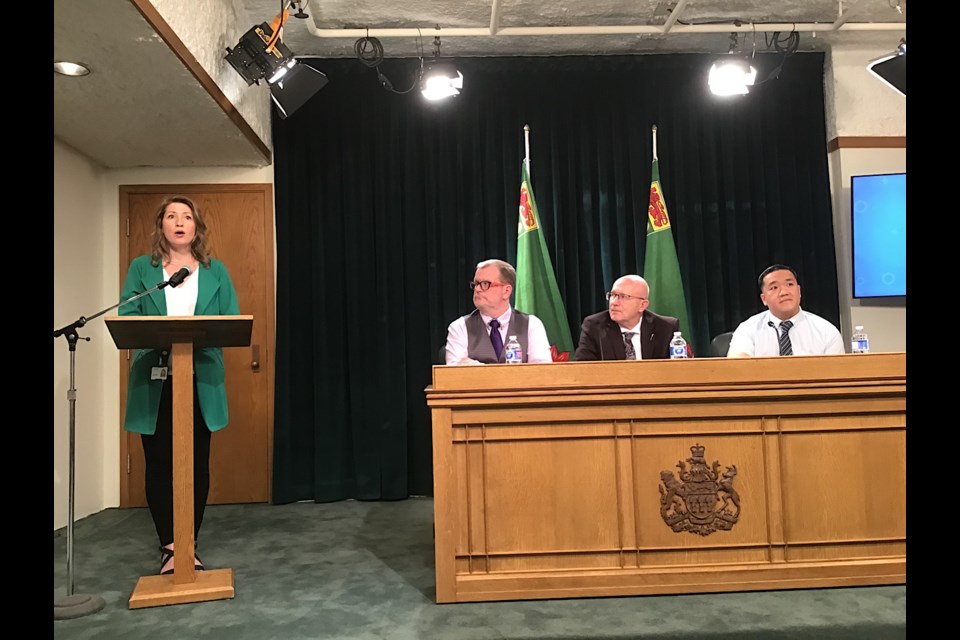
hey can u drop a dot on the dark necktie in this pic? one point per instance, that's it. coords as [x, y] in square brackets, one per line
[495, 338]
[786, 349]
[628, 344]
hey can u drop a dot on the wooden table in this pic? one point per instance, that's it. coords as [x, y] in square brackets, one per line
[669, 476]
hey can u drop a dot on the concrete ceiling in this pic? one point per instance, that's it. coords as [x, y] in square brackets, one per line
[149, 103]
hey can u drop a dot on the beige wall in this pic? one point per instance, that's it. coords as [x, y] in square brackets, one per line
[78, 244]
[87, 279]
[857, 102]
[861, 105]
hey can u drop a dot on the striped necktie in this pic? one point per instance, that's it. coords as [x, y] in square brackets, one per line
[786, 349]
[628, 345]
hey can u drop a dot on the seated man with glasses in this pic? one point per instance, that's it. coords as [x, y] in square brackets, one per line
[479, 337]
[627, 330]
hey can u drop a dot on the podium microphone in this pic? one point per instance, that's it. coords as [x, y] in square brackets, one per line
[178, 278]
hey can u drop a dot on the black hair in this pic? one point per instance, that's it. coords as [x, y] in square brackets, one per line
[771, 269]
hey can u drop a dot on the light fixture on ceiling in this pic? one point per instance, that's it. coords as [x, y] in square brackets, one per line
[257, 56]
[892, 68]
[731, 77]
[440, 80]
[74, 69]
[261, 53]
[736, 73]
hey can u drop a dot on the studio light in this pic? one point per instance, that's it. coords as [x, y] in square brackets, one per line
[892, 69]
[254, 60]
[262, 55]
[295, 87]
[440, 80]
[734, 74]
[732, 77]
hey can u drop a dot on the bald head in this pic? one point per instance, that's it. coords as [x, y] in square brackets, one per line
[637, 285]
[628, 299]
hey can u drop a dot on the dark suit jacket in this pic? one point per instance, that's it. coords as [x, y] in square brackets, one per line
[600, 337]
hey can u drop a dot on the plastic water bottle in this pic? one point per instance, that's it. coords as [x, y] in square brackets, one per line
[678, 347]
[859, 342]
[513, 351]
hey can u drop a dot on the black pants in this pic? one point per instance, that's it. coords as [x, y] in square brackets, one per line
[158, 470]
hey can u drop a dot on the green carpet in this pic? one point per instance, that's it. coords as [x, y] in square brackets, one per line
[364, 570]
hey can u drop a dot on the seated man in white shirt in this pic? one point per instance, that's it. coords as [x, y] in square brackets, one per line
[479, 337]
[784, 329]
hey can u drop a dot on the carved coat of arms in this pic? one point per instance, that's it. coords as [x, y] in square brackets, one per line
[702, 500]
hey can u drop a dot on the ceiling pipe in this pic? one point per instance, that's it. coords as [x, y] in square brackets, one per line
[770, 27]
[674, 16]
[843, 16]
[601, 30]
[494, 17]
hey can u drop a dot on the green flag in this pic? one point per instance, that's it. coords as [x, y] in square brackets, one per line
[537, 291]
[661, 269]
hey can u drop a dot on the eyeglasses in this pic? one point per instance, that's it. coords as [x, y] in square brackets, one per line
[484, 285]
[611, 296]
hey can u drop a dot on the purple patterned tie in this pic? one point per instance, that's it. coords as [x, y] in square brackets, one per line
[495, 338]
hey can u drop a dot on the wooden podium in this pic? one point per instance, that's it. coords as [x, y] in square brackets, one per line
[669, 476]
[181, 334]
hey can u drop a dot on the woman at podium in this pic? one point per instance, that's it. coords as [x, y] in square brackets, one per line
[179, 241]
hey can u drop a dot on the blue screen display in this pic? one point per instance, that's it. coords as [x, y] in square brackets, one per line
[879, 205]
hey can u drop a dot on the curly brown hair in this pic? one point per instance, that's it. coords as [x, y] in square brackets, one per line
[160, 248]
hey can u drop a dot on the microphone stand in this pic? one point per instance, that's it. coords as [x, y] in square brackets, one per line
[78, 605]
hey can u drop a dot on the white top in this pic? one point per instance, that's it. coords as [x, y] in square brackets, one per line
[538, 345]
[635, 339]
[810, 335]
[182, 300]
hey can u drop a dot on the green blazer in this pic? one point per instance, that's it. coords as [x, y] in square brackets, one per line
[215, 297]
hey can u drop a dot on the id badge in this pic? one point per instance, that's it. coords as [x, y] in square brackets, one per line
[158, 373]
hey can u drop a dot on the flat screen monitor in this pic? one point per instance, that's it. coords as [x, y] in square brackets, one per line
[879, 229]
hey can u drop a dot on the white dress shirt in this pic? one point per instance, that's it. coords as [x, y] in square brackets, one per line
[538, 346]
[810, 335]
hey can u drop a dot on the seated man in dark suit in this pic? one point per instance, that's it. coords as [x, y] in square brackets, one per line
[627, 330]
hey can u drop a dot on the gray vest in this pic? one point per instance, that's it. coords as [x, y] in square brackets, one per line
[478, 340]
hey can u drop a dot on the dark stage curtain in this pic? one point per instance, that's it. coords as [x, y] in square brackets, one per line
[385, 203]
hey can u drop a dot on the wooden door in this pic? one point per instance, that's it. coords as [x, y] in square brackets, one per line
[239, 220]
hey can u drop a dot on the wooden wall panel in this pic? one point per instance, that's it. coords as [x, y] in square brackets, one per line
[844, 486]
[530, 485]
